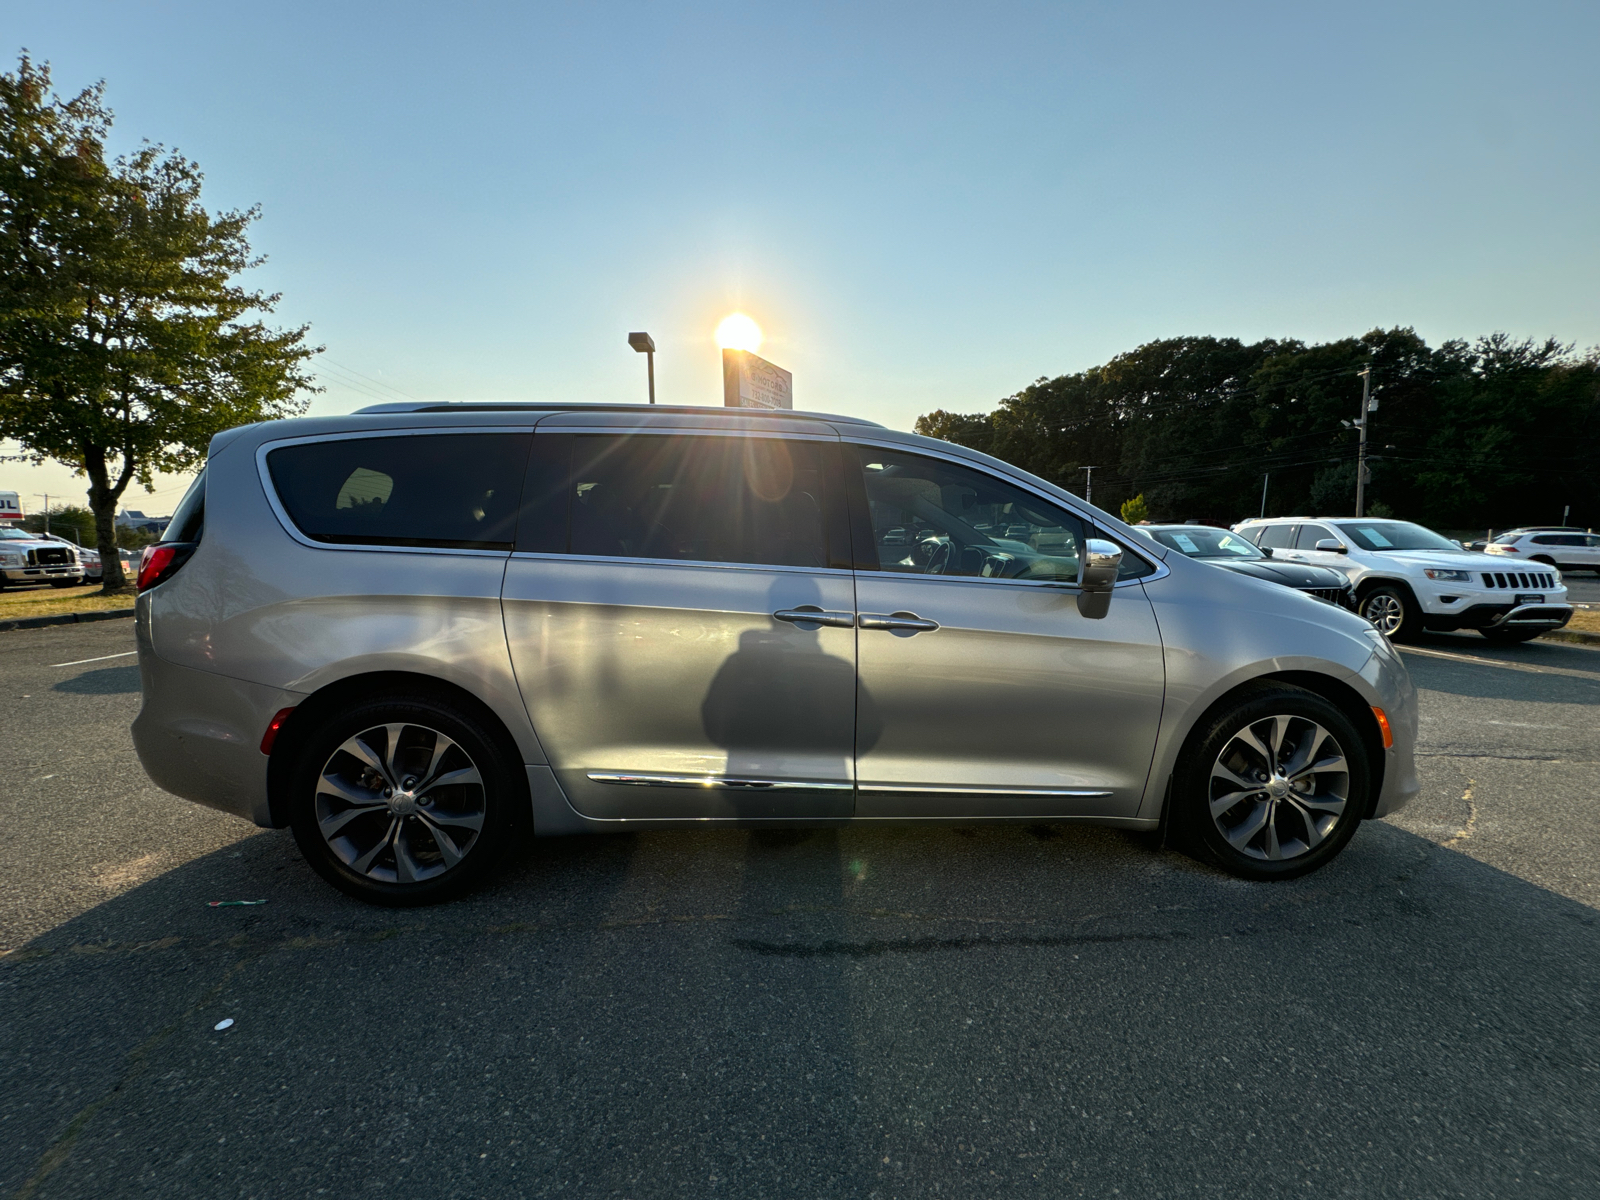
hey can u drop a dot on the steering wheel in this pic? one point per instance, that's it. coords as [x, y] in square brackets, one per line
[939, 560]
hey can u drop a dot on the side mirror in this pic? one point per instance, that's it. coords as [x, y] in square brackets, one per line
[1330, 546]
[1267, 550]
[1102, 560]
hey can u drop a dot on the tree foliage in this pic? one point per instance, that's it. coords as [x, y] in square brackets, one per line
[125, 343]
[1494, 432]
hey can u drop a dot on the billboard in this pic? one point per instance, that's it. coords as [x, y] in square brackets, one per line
[750, 381]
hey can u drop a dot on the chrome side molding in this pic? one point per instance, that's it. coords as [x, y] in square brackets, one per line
[886, 788]
[728, 782]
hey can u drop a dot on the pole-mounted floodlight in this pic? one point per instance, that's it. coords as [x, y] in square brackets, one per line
[646, 345]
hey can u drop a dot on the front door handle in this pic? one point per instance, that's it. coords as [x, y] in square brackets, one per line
[809, 614]
[907, 621]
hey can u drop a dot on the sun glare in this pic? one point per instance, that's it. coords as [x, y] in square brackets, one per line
[738, 332]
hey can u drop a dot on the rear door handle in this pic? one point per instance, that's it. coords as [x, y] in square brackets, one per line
[809, 614]
[908, 621]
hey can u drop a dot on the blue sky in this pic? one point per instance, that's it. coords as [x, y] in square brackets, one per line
[925, 206]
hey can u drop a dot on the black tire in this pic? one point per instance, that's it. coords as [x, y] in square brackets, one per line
[1295, 825]
[435, 842]
[1393, 610]
[63, 583]
[1511, 635]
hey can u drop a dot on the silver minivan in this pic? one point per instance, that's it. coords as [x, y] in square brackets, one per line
[413, 633]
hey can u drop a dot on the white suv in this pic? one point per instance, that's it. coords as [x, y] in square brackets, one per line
[1408, 578]
[1569, 549]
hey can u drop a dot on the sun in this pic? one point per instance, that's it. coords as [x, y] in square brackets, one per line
[738, 332]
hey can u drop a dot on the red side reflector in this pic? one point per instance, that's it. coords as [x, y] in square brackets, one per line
[271, 735]
[1383, 724]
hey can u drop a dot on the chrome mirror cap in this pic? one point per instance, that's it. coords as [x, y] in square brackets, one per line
[1102, 560]
[1334, 546]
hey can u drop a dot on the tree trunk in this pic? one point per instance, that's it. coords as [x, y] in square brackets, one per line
[103, 499]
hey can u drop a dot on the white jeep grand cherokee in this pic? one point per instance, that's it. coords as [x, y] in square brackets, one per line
[1408, 578]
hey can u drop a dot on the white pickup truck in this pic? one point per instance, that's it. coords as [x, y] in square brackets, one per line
[28, 558]
[1408, 578]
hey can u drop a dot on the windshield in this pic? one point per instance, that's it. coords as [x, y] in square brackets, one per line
[1395, 535]
[18, 535]
[1198, 541]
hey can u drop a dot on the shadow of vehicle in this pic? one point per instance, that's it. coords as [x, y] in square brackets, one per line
[843, 1012]
[105, 681]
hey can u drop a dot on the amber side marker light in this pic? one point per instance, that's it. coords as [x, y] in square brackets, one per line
[1383, 724]
[282, 715]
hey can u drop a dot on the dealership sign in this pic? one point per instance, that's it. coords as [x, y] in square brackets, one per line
[750, 381]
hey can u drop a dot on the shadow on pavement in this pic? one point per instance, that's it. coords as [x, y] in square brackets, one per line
[858, 1012]
[106, 681]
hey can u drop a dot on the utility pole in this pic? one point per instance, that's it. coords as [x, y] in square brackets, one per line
[46, 496]
[1264, 478]
[1088, 487]
[1367, 406]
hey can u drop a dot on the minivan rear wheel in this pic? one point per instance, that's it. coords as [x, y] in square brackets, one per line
[1273, 786]
[403, 801]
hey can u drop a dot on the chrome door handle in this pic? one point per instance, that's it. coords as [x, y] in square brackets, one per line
[807, 614]
[901, 620]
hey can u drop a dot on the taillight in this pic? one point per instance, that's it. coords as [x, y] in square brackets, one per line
[161, 561]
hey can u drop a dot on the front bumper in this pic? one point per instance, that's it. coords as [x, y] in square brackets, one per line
[1502, 615]
[53, 573]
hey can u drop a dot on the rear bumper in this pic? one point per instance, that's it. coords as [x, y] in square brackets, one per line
[1496, 616]
[199, 734]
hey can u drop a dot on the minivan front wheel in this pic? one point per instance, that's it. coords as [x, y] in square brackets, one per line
[1274, 785]
[403, 801]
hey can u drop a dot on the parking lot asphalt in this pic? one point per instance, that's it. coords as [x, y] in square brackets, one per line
[1044, 1011]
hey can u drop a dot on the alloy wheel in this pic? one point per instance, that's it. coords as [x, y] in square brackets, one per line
[400, 803]
[1385, 611]
[1279, 787]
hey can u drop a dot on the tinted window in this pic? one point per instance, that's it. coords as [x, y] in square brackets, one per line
[1277, 536]
[457, 491]
[189, 519]
[931, 517]
[702, 499]
[1549, 539]
[1310, 535]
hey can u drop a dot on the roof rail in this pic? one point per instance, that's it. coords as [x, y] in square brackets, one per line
[529, 406]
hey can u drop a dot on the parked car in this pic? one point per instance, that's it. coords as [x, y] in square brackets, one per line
[1571, 550]
[1408, 578]
[1234, 552]
[89, 558]
[407, 632]
[31, 558]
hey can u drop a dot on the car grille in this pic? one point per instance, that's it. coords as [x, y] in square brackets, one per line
[1518, 579]
[1337, 596]
[50, 556]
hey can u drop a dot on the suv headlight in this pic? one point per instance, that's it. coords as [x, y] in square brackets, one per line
[1448, 576]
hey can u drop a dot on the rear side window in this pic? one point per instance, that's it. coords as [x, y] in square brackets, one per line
[452, 491]
[190, 517]
[1277, 536]
[759, 501]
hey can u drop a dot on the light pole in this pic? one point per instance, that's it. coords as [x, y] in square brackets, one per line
[1367, 405]
[646, 345]
[1264, 478]
[1088, 486]
[46, 498]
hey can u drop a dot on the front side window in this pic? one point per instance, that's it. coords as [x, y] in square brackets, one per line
[1278, 537]
[755, 501]
[932, 517]
[452, 491]
[1310, 535]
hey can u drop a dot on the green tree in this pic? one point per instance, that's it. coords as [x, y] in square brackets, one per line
[125, 343]
[1135, 510]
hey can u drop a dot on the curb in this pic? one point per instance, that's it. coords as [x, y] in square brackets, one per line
[1581, 637]
[109, 614]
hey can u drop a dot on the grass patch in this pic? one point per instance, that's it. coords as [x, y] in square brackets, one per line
[17, 603]
[1585, 619]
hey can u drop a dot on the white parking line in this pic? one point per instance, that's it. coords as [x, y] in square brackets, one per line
[1495, 662]
[79, 662]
